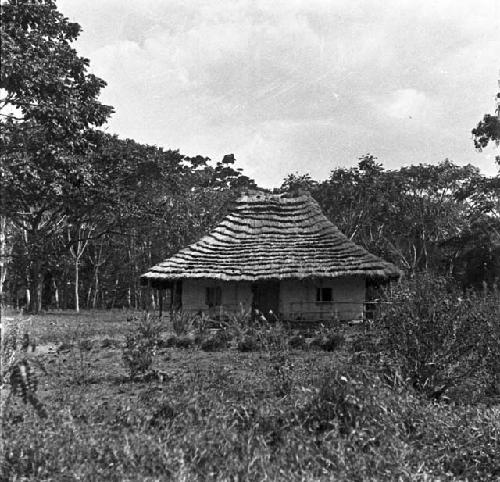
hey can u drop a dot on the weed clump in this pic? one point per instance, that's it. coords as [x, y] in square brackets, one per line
[215, 341]
[297, 342]
[248, 343]
[185, 342]
[326, 341]
[110, 343]
[17, 372]
[168, 342]
[184, 323]
[137, 355]
[141, 345]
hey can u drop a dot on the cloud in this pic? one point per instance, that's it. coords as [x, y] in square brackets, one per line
[290, 82]
[407, 104]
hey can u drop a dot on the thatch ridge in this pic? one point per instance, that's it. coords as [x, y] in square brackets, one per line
[272, 236]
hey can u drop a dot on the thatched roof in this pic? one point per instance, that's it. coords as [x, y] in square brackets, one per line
[272, 236]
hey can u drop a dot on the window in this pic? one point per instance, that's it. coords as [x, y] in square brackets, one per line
[213, 296]
[324, 294]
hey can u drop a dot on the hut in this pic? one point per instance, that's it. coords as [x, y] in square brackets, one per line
[277, 255]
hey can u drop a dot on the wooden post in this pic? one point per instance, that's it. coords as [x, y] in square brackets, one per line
[147, 303]
[160, 302]
[171, 301]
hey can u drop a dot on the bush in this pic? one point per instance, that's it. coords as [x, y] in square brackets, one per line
[138, 355]
[329, 340]
[169, 342]
[296, 341]
[110, 343]
[184, 322]
[346, 400]
[215, 341]
[440, 337]
[332, 341]
[249, 342]
[272, 336]
[364, 342]
[281, 373]
[185, 341]
[150, 327]
[141, 344]
[17, 372]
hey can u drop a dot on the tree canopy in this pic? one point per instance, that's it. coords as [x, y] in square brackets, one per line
[488, 129]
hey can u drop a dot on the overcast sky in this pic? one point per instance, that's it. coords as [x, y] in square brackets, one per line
[297, 85]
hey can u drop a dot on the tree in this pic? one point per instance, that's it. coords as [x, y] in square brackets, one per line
[296, 181]
[407, 215]
[49, 107]
[488, 129]
[45, 83]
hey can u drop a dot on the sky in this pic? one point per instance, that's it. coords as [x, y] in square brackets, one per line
[297, 85]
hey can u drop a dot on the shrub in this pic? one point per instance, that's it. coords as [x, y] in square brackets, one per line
[315, 342]
[364, 342]
[138, 355]
[248, 343]
[85, 345]
[214, 342]
[141, 344]
[184, 322]
[24, 382]
[281, 372]
[239, 323]
[342, 401]
[185, 341]
[169, 342]
[332, 341]
[329, 340]
[441, 337]
[162, 415]
[150, 327]
[16, 370]
[28, 342]
[272, 336]
[110, 343]
[64, 347]
[296, 341]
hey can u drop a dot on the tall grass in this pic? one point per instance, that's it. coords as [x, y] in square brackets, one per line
[18, 371]
[443, 339]
[339, 421]
[275, 414]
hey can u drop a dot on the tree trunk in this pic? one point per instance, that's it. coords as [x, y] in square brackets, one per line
[89, 295]
[96, 287]
[77, 282]
[3, 254]
[39, 291]
[64, 304]
[137, 294]
[56, 293]
[114, 293]
[35, 304]
[78, 238]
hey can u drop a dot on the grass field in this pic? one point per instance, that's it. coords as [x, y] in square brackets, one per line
[226, 415]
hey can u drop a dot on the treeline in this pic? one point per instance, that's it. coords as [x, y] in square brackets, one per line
[442, 218]
[133, 206]
[84, 213]
[143, 204]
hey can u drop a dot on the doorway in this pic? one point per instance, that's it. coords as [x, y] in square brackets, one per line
[266, 298]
